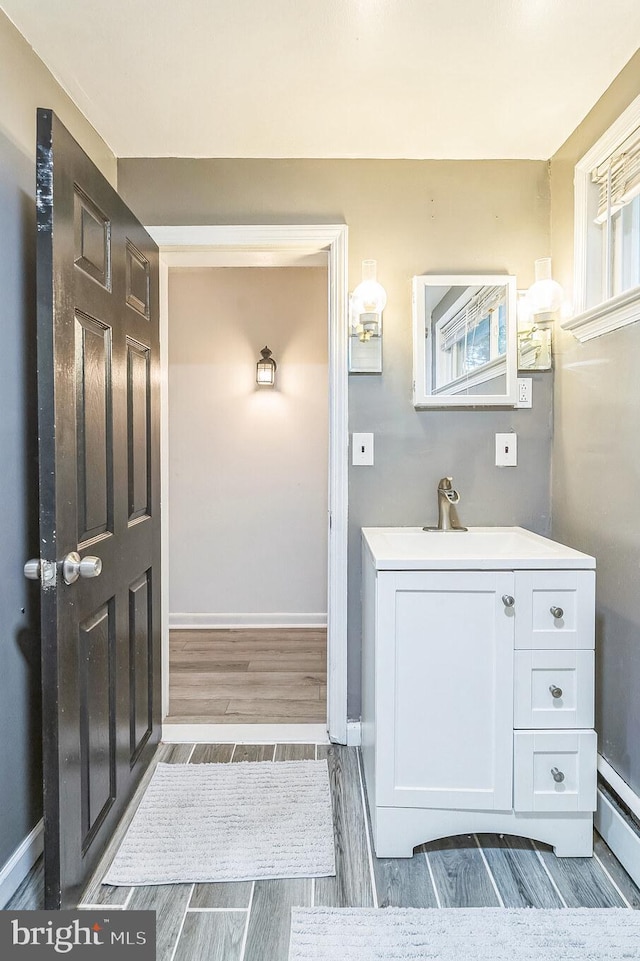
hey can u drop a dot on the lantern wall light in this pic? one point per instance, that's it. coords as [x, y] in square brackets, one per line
[266, 369]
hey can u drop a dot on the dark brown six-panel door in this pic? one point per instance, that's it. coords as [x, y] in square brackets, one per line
[98, 384]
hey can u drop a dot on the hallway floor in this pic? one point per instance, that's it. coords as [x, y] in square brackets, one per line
[249, 921]
[257, 676]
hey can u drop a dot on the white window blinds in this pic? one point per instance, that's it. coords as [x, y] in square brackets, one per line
[467, 319]
[618, 178]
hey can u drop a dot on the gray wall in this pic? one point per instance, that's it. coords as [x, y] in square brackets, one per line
[413, 217]
[24, 84]
[596, 460]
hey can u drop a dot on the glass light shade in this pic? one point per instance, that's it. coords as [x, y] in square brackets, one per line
[266, 369]
[546, 295]
[369, 297]
[523, 311]
[367, 303]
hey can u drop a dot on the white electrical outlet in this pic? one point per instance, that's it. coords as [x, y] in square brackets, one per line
[362, 450]
[507, 450]
[525, 392]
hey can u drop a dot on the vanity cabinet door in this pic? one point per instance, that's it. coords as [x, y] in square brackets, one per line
[444, 689]
[555, 610]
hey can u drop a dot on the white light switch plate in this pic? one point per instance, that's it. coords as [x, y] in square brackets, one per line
[507, 450]
[362, 450]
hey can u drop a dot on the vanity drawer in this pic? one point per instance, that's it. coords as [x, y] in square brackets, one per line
[554, 771]
[554, 610]
[553, 689]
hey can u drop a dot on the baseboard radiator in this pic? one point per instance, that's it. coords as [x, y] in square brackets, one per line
[617, 818]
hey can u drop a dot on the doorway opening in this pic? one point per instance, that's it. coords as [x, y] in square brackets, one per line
[248, 470]
[313, 251]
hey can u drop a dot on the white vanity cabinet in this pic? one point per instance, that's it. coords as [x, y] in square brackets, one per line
[477, 695]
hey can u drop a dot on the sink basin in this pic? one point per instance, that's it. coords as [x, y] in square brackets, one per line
[479, 548]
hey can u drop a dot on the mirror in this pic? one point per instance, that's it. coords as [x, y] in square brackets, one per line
[464, 340]
[534, 338]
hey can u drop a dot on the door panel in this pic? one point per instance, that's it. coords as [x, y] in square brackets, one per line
[94, 428]
[92, 237]
[97, 709]
[98, 358]
[140, 661]
[138, 429]
[138, 280]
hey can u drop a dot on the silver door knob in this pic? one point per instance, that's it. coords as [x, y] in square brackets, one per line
[33, 568]
[557, 612]
[39, 570]
[508, 600]
[73, 567]
[555, 691]
[557, 775]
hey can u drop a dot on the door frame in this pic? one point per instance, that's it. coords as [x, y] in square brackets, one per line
[262, 246]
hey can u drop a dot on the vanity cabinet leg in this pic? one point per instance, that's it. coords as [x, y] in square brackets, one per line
[575, 840]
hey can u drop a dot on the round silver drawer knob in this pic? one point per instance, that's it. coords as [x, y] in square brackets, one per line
[508, 600]
[555, 691]
[557, 775]
[557, 612]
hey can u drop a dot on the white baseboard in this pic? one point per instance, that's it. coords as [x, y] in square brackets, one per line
[354, 738]
[612, 826]
[190, 622]
[245, 733]
[13, 873]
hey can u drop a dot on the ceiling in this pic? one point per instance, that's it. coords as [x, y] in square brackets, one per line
[332, 78]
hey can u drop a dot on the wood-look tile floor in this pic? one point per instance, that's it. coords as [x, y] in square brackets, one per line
[248, 677]
[249, 920]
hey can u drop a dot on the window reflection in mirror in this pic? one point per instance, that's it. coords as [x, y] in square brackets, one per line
[464, 341]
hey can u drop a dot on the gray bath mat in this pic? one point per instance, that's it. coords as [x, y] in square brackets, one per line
[464, 934]
[229, 822]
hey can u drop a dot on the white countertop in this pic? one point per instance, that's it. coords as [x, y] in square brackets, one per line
[479, 548]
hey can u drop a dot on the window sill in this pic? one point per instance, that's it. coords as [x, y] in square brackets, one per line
[618, 312]
[492, 369]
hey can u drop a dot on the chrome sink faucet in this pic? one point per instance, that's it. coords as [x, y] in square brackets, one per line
[448, 519]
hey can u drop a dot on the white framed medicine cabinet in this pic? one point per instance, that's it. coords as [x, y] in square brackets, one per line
[464, 340]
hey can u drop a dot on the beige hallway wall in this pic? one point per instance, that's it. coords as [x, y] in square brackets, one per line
[248, 467]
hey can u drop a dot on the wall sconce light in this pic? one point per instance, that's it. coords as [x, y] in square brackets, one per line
[537, 308]
[545, 296]
[534, 339]
[266, 369]
[366, 304]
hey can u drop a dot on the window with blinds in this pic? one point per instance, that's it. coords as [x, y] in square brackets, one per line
[618, 179]
[472, 336]
[615, 204]
[606, 254]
